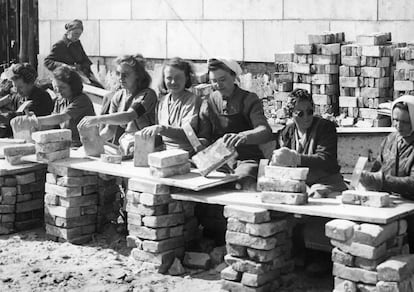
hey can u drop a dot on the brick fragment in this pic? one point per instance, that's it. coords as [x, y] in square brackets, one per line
[374, 235]
[230, 274]
[396, 269]
[340, 229]
[342, 258]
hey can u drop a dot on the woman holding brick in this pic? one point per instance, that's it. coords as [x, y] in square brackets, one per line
[176, 106]
[132, 107]
[69, 109]
[311, 142]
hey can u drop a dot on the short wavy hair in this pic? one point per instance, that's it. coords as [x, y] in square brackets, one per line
[181, 65]
[137, 63]
[23, 71]
[295, 96]
[69, 76]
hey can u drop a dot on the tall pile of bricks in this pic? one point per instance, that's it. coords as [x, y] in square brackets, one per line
[21, 200]
[52, 145]
[258, 249]
[316, 69]
[359, 250]
[404, 71]
[70, 204]
[155, 224]
[365, 80]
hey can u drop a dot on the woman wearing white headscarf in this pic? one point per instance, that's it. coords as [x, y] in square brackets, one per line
[393, 171]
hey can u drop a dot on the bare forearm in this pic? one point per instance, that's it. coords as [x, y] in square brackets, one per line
[258, 135]
[108, 132]
[117, 118]
[53, 120]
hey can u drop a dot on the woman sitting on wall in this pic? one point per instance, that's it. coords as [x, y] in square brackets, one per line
[69, 109]
[133, 106]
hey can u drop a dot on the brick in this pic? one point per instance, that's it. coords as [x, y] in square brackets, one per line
[146, 146]
[162, 260]
[284, 198]
[325, 69]
[361, 250]
[5, 209]
[367, 264]
[257, 280]
[162, 245]
[322, 99]
[374, 235]
[373, 39]
[366, 198]
[265, 229]
[66, 192]
[6, 228]
[168, 158]
[19, 150]
[37, 186]
[170, 171]
[152, 210]
[294, 173]
[72, 202]
[342, 285]
[149, 233]
[283, 57]
[63, 212]
[26, 178]
[175, 207]
[73, 222]
[264, 255]
[51, 199]
[154, 200]
[70, 181]
[7, 218]
[230, 274]
[10, 181]
[324, 38]
[403, 85]
[354, 274]
[342, 258]
[340, 229]
[51, 178]
[253, 241]
[396, 269]
[304, 49]
[299, 68]
[304, 86]
[377, 200]
[349, 82]
[324, 60]
[247, 214]
[52, 136]
[133, 241]
[348, 101]
[176, 231]
[29, 205]
[147, 186]
[69, 233]
[15, 160]
[328, 49]
[53, 156]
[64, 171]
[236, 250]
[87, 190]
[406, 286]
[376, 51]
[374, 72]
[163, 220]
[402, 226]
[352, 61]
[324, 78]
[280, 185]
[52, 146]
[247, 266]
[133, 218]
[8, 191]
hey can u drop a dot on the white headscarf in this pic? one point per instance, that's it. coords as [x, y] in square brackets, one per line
[409, 100]
[232, 64]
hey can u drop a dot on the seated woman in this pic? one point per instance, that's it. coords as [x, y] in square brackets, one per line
[132, 107]
[69, 109]
[310, 141]
[237, 116]
[23, 77]
[177, 106]
[69, 51]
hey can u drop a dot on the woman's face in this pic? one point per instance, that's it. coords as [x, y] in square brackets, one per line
[222, 81]
[127, 77]
[303, 114]
[174, 79]
[401, 121]
[74, 34]
[22, 87]
[63, 88]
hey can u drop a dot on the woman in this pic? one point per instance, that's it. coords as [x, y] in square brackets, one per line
[177, 106]
[70, 108]
[393, 171]
[132, 107]
[310, 141]
[33, 99]
[69, 51]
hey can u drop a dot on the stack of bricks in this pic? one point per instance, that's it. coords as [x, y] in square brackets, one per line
[258, 249]
[52, 145]
[155, 224]
[168, 163]
[359, 250]
[70, 204]
[365, 80]
[396, 274]
[316, 69]
[404, 71]
[21, 200]
[108, 199]
[283, 185]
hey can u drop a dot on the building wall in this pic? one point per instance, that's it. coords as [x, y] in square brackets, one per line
[246, 30]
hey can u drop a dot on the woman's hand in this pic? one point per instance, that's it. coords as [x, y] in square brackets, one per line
[234, 140]
[88, 121]
[285, 157]
[151, 131]
[372, 181]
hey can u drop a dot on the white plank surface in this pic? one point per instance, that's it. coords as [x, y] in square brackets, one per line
[8, 169]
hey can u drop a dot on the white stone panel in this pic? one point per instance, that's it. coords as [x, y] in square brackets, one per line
[184, 39]
[132, 37]
[296, 32]
[395, 9]
[71, 9]
[328, 9]
[167, 9]
[109, 9]
[44, 37]
[243, 9]
[47, 9]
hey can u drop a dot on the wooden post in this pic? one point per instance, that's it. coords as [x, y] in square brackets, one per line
[24, 31]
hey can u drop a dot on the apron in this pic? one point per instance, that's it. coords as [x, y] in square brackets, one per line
[234, 123]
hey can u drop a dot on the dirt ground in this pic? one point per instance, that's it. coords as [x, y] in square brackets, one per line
[30, 262]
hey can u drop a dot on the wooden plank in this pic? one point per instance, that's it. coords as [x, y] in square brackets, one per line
[330, 208]
[8, 169]
[192, 180]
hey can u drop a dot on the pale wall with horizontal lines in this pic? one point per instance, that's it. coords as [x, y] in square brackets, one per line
[246, 30]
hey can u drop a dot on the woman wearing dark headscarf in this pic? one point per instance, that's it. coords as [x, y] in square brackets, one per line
[69, 51]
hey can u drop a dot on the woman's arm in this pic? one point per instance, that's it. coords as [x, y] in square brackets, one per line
[116, 119]
[52, 120]
[5, 100]
[108, 132]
